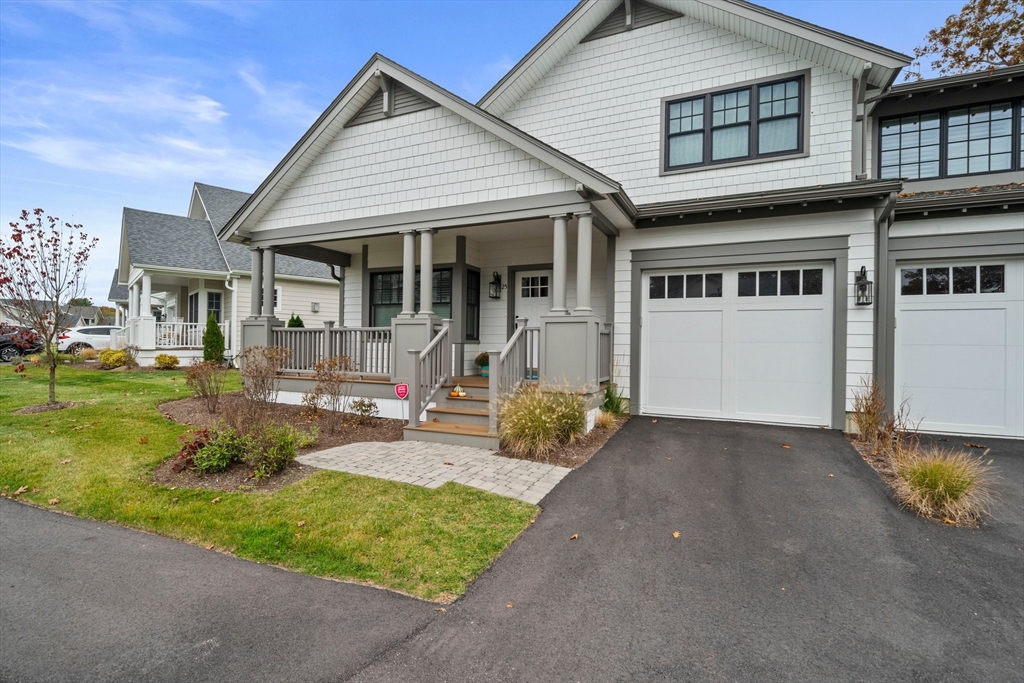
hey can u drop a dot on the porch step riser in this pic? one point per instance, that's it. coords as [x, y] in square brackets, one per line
[481, 392]
[482, 420]
[488, 442]
[446, 401]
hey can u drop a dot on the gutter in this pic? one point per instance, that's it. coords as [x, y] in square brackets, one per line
[961, 201]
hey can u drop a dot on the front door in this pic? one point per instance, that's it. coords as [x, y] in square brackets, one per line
[533, 299]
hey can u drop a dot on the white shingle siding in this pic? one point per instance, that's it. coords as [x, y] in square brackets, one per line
[858, 226]
[601, 104]
[424, 160]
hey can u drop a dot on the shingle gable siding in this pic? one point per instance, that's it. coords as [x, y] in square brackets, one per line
[602, 105]
[424, 160]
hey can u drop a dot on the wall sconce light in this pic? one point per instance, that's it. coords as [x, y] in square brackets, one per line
[494, 288]
[863, 288]
[315, 307]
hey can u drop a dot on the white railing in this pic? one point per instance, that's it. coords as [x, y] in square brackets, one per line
[532, 353]
[305, 346]
[369, 348]
[119, 338]
[181, 335]
[431, 369]
[604, 356]
[508, 368]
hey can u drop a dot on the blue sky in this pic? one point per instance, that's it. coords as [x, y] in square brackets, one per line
[110, 104]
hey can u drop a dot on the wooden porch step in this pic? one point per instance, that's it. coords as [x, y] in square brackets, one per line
[464, 415]
[460, 411]
[475, 381]
[458, 399]
[453, 433]
[451, 428]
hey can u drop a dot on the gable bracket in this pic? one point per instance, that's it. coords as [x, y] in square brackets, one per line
[388, 91]
[629, 15]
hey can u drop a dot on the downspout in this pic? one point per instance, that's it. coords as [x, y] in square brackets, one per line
[883, 282]
[234, 312]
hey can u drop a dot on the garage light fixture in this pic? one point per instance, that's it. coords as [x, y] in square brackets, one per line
[494, 288]
[863, 288]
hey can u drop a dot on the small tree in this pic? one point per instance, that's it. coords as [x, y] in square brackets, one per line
[42, 270]
[213, 341]
[295, 321]
[80, 301]
[332, 391]
[987, 34]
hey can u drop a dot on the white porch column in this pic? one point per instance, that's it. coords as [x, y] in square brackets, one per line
[147, 295]
[256, 283]
[409, 275]
[268, 282]
[584, 247]
[133, 301]
[560, 264]
[427, 272]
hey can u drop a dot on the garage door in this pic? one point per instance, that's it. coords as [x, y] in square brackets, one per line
[959, 356]
[751, 343]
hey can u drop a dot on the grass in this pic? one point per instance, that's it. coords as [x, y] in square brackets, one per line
[428, 543]
[945, 484]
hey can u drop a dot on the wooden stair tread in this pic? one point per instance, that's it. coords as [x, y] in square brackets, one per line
[479, 399]
[452, 428]
[459, 411]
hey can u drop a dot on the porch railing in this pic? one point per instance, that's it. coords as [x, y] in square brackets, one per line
[431, 370]
[604, 357]
[532, 353]
[306, 346]
[369, 348]
[182, 335]
[509, 368]
[119, 338]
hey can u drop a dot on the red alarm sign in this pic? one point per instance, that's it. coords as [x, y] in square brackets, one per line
[401, 390]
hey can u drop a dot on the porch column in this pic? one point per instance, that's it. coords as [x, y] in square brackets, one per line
[147, 296]
[133, 301]
[559, 265]
[584, 247]
[268, 282]
[409, 275]
[427, 272]
[256, 283]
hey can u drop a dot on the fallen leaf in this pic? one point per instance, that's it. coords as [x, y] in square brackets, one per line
[786, 445]
[450, 464]
[36, 489]
[653, 421]
[144, 440]
[947, 520]
[216, 500]
[973, 445]
[174, 500]
[53, 501]
[832, 476]
[302, 523]
[209, 547]
[298, 535]
[53, 431]
[440, 609]
[668, 458]
[436, 420]
[783, 588]
[20, 491]
[676, 534]
[509, 605]
[574, 537]
[177, 389]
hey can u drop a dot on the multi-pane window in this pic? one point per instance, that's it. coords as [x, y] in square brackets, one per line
[980, 139]
[691, 286]
[807, 282]
[761, 120]
[963, 141]
[386, 296]
[910, 147]
[473, 305]
[213, 305]
[193, 307]
[952, 280]
[533, 286]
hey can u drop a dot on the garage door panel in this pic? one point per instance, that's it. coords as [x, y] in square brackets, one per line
[686, 326]
[779, 325]
[961, 367]
[688, 396]
[790, 402]
[943, 408]
[953, 326]
[675, 361]
[779, 362]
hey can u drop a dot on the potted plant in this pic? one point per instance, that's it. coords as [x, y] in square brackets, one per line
[483, 360]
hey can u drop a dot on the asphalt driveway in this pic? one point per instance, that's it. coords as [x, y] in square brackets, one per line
[780, 572]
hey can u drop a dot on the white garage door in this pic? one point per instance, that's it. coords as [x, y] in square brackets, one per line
[959, 348]
[750, 343]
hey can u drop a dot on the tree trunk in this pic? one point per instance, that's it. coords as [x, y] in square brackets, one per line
[53, 383]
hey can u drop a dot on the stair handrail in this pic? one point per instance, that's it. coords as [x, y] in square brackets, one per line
[431, 370]
[507, 369]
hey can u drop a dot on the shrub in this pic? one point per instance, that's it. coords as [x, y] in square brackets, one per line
[946, 484]
[191, 441]
[483, 359]
[307, 439]
[364, 410]
[614, 403]
[213, 341]
[604, 420]
[89, 354]
[868, 410]
[132, 353]
[269, 449]
[223, 449]
[533, 421]
[206, 379]
[332, 391]
[295, 321]
[259, 368]
[166, 361]
[113, 358]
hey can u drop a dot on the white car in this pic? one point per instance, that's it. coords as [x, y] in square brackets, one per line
[80, 338]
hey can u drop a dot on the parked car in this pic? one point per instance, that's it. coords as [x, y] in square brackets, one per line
[78, 339]
[18, 341]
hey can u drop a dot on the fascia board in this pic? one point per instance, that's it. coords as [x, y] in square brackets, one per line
[151, 269]
[797, 195]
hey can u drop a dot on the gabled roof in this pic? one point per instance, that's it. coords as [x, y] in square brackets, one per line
[220, 203]
[352, 99]
[117, 292]
[160, 239]
[822, 46]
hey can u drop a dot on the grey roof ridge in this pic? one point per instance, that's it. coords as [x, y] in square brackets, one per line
[856, 188]
[220, 247]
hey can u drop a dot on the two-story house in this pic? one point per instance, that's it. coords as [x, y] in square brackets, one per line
[695, 199]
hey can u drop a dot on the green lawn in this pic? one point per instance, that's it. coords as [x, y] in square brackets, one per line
[427, 543]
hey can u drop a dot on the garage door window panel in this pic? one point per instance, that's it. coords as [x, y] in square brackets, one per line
[657, 287]
[813, 282]
[789, 283]
[938, 280]
[992, 279]
[965, 280]
[676, 286]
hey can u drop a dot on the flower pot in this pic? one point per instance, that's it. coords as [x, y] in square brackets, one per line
[485, 371]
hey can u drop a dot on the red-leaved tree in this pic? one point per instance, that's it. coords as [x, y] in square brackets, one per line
[987, 34]
[42, 268]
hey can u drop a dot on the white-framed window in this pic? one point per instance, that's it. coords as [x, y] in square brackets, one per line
[214, 301]
[193, 307]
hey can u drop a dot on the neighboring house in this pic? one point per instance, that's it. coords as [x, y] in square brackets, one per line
[696, 198]
[12, 315]
[173, 273]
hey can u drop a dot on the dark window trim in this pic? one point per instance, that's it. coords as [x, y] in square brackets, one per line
[803, 138]
[1016, 104]
[479, 301]
[386, 271]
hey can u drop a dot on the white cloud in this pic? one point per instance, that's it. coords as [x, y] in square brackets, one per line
[278, 101]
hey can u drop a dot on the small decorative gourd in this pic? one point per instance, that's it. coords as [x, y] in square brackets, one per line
[457, 391]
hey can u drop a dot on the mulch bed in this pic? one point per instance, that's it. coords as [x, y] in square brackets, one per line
[193, 412]
[579, 452]
[45, 407]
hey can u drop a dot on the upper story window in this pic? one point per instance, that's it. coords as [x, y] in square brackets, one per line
[953, 142]
[760, 120]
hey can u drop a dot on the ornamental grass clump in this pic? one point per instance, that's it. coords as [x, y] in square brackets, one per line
[534, 422]
[945, 484]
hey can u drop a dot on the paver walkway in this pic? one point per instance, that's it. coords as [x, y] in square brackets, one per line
[434, 464]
